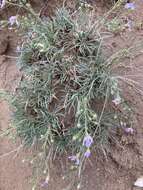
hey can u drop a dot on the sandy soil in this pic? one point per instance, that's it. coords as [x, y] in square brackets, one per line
[125, 159]
[12, 171]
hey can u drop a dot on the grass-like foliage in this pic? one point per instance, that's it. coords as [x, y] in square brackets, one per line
[69, 99]
[67, 88]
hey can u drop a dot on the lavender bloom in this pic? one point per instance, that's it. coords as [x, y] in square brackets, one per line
[13, 20]
[129, 130]
[77, 161]
[2, 3]
[18, 49]
[87, 141]
[87, 153]
[45, 183]
[129, 25]
[130, 6]
[74, 158]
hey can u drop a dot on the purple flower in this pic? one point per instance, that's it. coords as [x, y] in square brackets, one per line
[129, 25]
[87, 153]
[77, 161]
[74, 158]
[129, 130]
[18, 49]
[130, 6]
[13, 20]
[87, 141]
[45, 183]
[2, 3]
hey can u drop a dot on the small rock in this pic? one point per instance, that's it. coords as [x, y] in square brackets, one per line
[139, 182]
[3, 44]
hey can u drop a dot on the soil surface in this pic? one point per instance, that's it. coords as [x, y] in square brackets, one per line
[124, 161]
[13, 174]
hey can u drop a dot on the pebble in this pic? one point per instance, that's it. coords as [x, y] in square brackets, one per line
[3, 44]
[139, 182]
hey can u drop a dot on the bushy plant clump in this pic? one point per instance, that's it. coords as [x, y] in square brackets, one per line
[66, 97]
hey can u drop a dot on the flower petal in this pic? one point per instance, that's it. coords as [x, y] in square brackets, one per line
[130, 6]
[87, 153]
[13, 20]
[2, 4]
[87, 141]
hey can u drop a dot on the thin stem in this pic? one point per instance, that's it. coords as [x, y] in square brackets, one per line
[28, 9]
[8, 153]
[102, 112]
